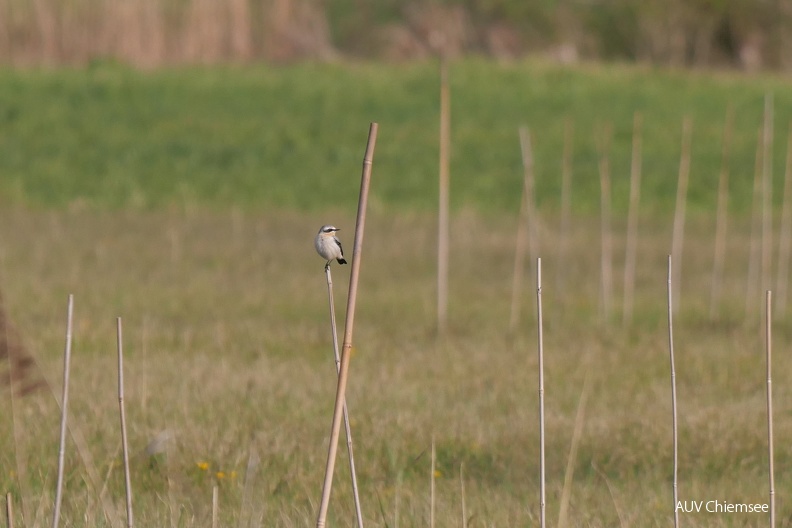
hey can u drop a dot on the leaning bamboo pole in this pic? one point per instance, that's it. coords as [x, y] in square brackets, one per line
[347, 426]
[368, 160]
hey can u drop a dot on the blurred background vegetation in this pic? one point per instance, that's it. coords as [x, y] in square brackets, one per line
[746, 34]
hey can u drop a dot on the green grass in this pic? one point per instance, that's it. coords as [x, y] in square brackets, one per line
[293, 136]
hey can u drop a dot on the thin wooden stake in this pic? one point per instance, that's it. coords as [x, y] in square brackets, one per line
[122, 414]
[215, 505]
[462, 493]
[785, 242]
[606, 255]
[64, 413]
[9, 511]
[443, 228]
[348, 330]
[541, 393]
[769, 349]
[526, 228]
[678, 236]
[721, 219]
[632, 220]
[347, 427]
[673, 389]
[432, 486]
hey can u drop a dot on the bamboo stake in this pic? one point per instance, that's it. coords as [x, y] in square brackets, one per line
[83, 452]
[432, 487]
[122, 414]
[566, 200]
[678, 236]
[541, 394]
[215, 505]
[347, 427]
[785, 242]
[350, 319]
[632, 220]
[767, 191]
[566, 492]
[525, 228]
[462, 492]
[722, 213]
[754, 255]
[9, 511]
[606, 256]
[443, 228]
[64, 413]
[673, 389]
[769, 348]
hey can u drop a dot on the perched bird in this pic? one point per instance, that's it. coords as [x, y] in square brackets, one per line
[328, 246]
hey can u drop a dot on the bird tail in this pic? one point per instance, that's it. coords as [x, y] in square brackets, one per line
[341, 261]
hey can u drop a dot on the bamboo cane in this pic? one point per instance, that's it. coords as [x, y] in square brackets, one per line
[122, 414]
[348, 330]
[347, 427]
[64, 414]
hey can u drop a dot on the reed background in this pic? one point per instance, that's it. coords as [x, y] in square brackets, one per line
[700, 33]
[186, 202]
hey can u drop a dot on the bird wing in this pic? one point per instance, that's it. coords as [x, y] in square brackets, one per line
[339, 246]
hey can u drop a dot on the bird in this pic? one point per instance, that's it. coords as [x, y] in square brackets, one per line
[328, 245]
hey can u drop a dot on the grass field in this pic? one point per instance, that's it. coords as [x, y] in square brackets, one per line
[185, 202]
[290, 136]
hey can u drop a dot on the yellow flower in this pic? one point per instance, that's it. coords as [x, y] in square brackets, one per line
[220, 475]
[437, 473]
[203, 466]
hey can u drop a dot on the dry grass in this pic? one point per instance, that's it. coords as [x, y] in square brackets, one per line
[226, 348]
